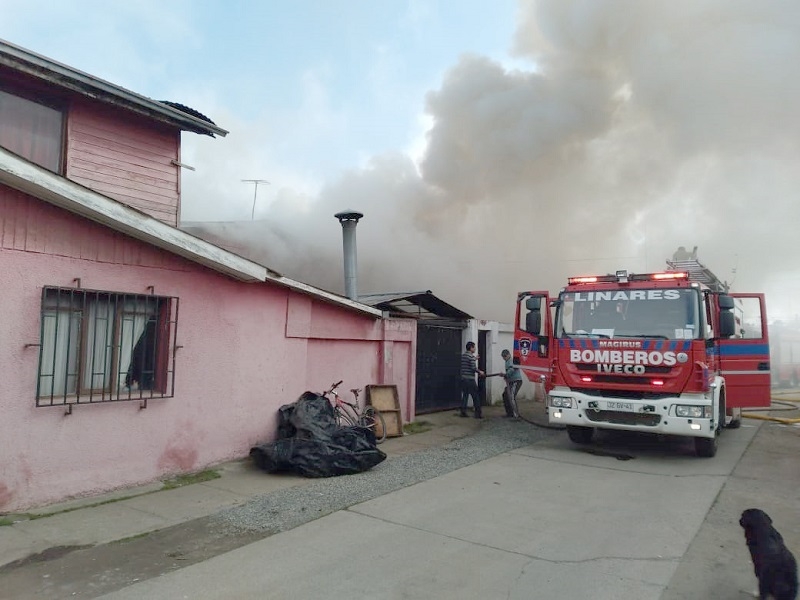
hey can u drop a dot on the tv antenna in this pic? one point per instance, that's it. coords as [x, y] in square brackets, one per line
[255, 193]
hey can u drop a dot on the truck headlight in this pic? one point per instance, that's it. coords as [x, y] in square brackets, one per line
[560, 402]
[693, 412]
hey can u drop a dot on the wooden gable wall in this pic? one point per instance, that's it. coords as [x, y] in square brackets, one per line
[126, 157]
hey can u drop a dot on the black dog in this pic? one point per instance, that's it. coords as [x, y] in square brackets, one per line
[775, 567]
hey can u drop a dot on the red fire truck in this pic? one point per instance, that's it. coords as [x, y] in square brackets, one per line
[670, 353]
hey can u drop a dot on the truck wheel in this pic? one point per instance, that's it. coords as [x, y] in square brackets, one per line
[706, 447]
[580, 435]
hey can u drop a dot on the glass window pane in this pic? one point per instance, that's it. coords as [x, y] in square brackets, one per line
[747, 312]
[32, 130]
[661, 313]
[58, 373]
[99, 342]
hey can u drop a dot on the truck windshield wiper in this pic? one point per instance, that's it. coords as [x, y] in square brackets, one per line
[645, 335]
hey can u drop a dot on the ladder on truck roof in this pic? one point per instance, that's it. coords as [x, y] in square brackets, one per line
[699, 272]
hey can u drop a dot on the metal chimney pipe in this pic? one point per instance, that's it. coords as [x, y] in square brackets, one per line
[349, 220]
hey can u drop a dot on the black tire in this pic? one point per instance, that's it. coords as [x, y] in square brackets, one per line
[373, 419]
[706, 447]
[580, 435]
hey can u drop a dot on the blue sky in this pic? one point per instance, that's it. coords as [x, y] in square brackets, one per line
[323, 84]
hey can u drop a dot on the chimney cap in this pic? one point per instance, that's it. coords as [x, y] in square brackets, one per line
[348, 215]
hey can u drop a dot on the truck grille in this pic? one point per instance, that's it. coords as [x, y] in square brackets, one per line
[623, 418]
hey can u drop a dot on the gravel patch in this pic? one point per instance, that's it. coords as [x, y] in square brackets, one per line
[287, 508]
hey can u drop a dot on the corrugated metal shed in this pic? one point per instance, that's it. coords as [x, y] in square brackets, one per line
[419, 305]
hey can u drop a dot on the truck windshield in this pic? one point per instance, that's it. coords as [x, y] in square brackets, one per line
[671, 314]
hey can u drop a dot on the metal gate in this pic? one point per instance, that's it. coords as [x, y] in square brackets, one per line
[438, 364]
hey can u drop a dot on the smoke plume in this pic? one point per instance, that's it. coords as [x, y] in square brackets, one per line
[637, 128]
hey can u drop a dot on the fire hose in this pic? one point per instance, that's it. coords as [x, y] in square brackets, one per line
[786, 405]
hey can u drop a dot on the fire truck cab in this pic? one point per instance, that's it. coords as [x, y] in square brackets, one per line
[665, 353]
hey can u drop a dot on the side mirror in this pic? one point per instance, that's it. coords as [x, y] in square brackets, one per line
[725, 302]
[533, 303]
[533, 322]
[727, 324]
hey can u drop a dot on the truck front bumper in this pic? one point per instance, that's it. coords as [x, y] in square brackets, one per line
[685, 415]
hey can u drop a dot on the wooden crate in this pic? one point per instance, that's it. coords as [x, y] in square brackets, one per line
[385, 399]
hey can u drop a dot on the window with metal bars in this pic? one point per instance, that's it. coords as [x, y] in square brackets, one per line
[99, 346]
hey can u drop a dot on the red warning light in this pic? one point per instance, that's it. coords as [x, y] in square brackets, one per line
[671, 275]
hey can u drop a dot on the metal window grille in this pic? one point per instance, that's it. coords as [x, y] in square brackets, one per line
[99, 346]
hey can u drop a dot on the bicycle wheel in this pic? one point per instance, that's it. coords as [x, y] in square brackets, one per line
[343, 418]
[373, 419]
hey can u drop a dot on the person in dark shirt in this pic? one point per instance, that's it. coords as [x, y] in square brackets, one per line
[469, 387]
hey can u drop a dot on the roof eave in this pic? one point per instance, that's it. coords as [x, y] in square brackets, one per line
[63, 76]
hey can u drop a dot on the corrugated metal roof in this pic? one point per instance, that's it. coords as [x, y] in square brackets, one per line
[62, 76]
[420, 305]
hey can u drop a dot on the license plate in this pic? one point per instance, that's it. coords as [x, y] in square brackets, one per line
[621, 406]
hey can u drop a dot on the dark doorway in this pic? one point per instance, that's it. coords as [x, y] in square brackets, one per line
[438, 364]
[482, 337]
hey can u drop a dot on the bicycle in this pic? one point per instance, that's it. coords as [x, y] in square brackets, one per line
[349, 414]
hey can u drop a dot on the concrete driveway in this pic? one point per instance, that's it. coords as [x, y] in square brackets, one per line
[545, 521]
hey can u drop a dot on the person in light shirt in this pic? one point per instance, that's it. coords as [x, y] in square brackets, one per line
[513, 377]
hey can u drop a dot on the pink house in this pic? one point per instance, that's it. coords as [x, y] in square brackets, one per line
[131, 350]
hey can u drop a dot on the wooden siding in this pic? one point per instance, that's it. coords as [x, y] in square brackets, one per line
[125, 157]
[31, 225]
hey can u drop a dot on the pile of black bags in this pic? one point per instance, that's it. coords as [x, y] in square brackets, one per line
[311, 443]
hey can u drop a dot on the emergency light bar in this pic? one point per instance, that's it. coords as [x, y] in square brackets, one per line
[671, 275]
[625, 277]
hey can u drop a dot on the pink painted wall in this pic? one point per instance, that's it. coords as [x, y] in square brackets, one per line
[248, 348]
[126, 157]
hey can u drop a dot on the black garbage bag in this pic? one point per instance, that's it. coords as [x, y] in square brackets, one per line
[285, 427]
[312, 444]
[313, 417]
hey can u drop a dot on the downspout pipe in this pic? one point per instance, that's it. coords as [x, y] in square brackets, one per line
[348, 220]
